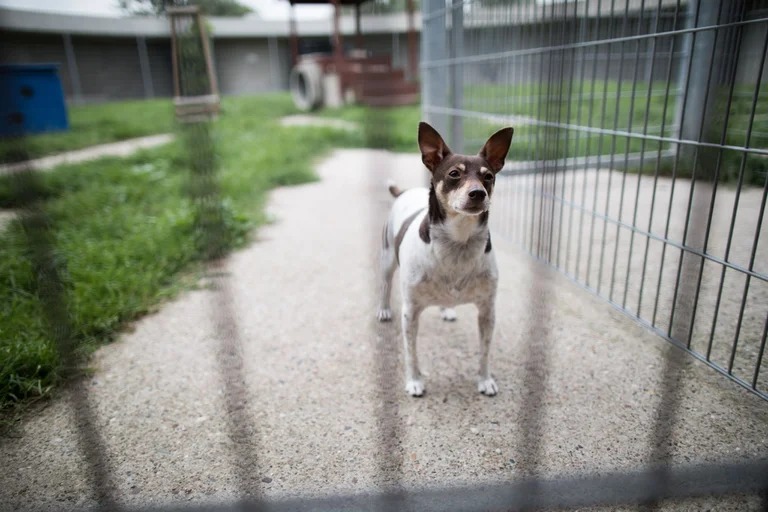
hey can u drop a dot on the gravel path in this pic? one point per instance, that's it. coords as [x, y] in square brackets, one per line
[312, 414]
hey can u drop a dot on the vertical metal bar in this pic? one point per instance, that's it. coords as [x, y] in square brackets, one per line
[457, 75]
[275, 63]
[435, 85]
[74, 73]
[748, 280]
[611, 159]
[691, 193]
[742, 166]
[613, 153]
[294, 36]
[587, 152]
[657, 169]
[558, 150]
[694, 18]
[760, 354]
[640, 166]
[715, 181]
[566, 151]
[412, 41]
[146, 71]
[49, 270]
[538, 143]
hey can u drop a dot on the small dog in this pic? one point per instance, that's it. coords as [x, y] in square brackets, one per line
[440, 239]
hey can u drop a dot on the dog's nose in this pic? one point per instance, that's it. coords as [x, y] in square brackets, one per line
[477, 195]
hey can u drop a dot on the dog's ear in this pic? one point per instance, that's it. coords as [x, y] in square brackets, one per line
[433, 147]
[495, 150]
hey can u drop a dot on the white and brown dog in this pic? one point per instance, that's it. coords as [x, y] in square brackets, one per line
[440, 238]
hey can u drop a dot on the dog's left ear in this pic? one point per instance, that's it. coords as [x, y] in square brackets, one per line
[495, 150]
[433, 147]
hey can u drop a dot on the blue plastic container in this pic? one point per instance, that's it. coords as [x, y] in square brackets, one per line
[31, 100]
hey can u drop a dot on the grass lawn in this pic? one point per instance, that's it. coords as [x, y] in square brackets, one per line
[125, 227]
[96, 124]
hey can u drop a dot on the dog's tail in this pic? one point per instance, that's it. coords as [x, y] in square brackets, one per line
[394, 189]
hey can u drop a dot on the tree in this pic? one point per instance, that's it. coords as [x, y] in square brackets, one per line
[209, 7]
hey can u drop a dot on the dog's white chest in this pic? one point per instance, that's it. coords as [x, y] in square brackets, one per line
[448, 286]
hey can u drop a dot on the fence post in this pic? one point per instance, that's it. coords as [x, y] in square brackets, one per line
[707, 77]
[457, 75]
[434, 83]
[146, 70]
[74, 73]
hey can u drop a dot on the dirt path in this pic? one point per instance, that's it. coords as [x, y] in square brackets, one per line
[122, 148]
[311, 414]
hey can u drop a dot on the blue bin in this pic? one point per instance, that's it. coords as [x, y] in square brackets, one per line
[31, 99]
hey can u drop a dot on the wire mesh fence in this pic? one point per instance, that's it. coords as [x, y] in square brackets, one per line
[598, 153]
[639, 166]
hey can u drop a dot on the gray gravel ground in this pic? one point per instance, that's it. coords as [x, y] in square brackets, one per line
[316, 407]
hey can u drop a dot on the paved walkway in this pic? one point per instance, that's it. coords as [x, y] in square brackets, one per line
[122, 148]
[311, 415]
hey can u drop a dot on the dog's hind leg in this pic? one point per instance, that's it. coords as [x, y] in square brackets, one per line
[387, 266]
[414, 385]
[448, 314]
[486, 319]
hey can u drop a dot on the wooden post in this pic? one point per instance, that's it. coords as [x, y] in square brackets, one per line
[413, 66]
[207, 53]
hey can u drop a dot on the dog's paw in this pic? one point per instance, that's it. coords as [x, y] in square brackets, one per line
[487, 386]
[414, 387]
[448, 314]
[384, 315]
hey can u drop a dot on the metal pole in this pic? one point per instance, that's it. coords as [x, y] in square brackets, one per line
[146, 71]
[434, 89]
[412, 64]
[74, 74]
[294, 36]
[457, 75]
[274, 63]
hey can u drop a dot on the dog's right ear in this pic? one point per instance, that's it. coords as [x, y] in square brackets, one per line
[433, 147]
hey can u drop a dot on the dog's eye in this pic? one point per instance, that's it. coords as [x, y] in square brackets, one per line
[488, 177]
[454, 174]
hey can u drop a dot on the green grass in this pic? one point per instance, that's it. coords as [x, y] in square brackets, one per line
[95, 124]
[125, 229]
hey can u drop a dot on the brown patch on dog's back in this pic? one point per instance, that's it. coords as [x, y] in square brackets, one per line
[401, 233]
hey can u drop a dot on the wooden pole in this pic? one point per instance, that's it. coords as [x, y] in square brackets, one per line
[207, 54]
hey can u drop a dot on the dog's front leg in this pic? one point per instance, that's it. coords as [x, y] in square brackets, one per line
[486, 319]
[414, 385]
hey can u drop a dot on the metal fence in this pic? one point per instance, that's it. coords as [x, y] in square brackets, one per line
[639, 164]
[548, 203]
